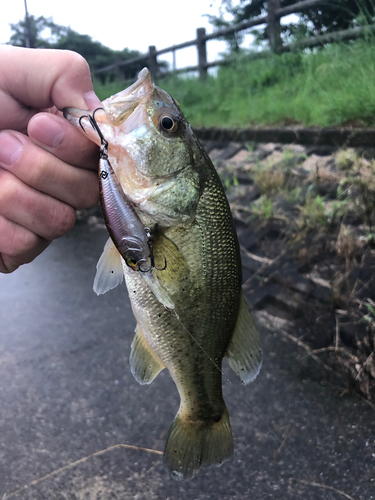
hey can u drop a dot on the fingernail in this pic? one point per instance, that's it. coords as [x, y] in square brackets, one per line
[92, 100]
[47, 130]
[10, 149]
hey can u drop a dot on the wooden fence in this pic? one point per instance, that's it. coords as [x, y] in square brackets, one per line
[271, 19]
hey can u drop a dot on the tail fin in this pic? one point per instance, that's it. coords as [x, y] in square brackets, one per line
[192, 445]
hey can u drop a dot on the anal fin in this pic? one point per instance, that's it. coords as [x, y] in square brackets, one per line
[144, 363]
[244, 353]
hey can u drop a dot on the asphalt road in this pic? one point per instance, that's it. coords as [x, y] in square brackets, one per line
[74, 424]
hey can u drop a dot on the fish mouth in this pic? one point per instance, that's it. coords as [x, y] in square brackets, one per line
[120, 106]
[117, 108]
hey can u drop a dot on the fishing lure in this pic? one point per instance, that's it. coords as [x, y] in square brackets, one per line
[133, 241]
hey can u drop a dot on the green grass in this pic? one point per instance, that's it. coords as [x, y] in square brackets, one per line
[326, 87]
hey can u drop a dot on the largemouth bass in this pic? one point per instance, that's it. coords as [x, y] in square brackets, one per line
[191, 313]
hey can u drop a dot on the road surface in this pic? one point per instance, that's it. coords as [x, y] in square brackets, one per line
[74, 424]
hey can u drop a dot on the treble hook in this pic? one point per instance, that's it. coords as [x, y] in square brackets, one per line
[150, 240]
[95, 126]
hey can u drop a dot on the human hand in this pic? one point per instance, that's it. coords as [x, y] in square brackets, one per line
[47, 168]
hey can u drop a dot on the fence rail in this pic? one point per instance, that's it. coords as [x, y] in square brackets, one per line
[274, 14]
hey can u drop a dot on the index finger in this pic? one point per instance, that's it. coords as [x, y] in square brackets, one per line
[39, 79]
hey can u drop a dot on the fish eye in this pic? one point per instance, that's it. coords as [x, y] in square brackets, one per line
[167, 123]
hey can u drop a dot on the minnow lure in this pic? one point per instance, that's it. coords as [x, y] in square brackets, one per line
[131, 238]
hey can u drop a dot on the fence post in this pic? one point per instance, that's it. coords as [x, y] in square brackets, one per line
[273, 26]
[202, 52]
[152, 61]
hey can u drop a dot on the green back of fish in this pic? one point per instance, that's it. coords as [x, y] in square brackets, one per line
[204, 280]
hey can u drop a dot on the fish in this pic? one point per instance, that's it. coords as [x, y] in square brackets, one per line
[190, 310]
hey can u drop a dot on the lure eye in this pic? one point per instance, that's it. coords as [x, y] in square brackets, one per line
[168, 123]
[132, 263]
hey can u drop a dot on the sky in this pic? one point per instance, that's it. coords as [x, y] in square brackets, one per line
[128, 24]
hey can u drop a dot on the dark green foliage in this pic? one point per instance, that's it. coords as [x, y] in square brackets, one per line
[339, 15]
[331, 16]
[37, 26]
[46, 34]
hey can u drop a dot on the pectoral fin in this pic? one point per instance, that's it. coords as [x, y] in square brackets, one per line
[165, 283]
[158, 289]
[244, 353]
[166, 250]
[109, 271]
[144, 363]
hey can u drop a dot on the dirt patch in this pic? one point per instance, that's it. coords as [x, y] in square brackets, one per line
[306, 222]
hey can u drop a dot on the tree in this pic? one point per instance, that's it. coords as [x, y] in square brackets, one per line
[333, 15]
[38, 26]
